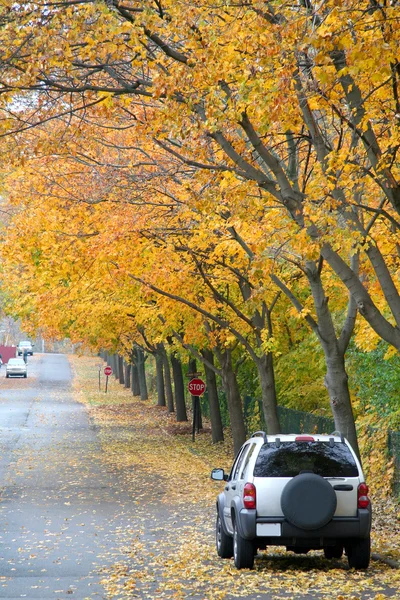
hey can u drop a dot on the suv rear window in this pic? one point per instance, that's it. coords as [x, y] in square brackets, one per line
[290, 458]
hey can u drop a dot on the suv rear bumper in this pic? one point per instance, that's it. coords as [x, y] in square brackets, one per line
[338, 528]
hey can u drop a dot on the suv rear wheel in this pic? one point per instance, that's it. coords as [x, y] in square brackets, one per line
[223, 541]
[243, 551]
[358, 553]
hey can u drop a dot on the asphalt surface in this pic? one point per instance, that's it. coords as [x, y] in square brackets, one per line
[61, 512]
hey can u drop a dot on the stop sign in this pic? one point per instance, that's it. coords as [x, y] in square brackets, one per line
[108, 371]
[196, 387]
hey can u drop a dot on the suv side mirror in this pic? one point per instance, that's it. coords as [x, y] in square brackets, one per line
[219, 475]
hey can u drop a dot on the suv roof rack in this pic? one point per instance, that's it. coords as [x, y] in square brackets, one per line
[339, 434]
[260, 434]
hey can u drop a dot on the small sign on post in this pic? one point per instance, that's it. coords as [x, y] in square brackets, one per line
[196, 388]
[107, 372]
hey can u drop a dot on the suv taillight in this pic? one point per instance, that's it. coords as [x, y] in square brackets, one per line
[362, 495]
[249, 496]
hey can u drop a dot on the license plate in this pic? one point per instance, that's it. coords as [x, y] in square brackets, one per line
[268, 529]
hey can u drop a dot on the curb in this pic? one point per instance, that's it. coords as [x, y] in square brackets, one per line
[388, 561]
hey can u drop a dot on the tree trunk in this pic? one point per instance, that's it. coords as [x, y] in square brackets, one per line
[336, 379]
[114, 365]
[334, 347]
[140, 362]
[181, 414]
[121, 370]
[135, 387]
[217, 432]
[339, 396]
[265, 367]
[128, 369]
[160, 379]
[167, 379]
[234, 400]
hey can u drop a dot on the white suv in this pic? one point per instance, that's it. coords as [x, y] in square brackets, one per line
[305, 492]
[26, 347]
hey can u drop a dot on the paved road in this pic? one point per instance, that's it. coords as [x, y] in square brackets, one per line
[61, 512]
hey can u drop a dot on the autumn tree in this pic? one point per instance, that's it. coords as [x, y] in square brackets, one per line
[286, 99]
[223, 262]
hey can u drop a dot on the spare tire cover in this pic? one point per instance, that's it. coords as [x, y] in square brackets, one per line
[308, 501]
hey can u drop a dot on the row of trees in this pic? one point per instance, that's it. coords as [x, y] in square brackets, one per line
[217, 178]
[171, 389]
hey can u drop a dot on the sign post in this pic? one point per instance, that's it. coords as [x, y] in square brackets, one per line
[100, 366]
[107, 373]
[196, 388]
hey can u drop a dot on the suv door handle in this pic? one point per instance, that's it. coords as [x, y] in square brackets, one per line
[343, 487]
[234, 487]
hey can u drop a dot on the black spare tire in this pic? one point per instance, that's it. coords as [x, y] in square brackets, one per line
[308, 501]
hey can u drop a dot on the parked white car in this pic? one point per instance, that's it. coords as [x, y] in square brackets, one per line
[305, 492]
[16, 367]
[25, 346]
